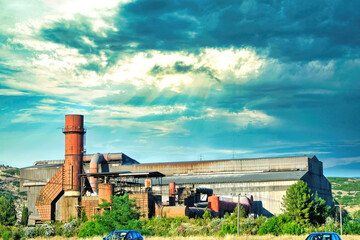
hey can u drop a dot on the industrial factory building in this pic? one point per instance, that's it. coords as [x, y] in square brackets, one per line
[57, 190]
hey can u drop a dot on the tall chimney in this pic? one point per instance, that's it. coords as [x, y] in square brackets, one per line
[74, 149]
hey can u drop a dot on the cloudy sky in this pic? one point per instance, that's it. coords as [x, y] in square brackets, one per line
[182, 80]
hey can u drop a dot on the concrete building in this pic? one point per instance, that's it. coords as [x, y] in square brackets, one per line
[266, 179]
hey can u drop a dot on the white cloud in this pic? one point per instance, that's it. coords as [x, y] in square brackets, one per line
[11, 92]
[239, 119]
[60, 72]
[331, 162]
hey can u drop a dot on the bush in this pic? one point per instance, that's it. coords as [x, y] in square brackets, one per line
[356, 214]
[92, 228]
[124, 214]
[48, 230]
[330, 225]
[351, 227]
[274, 225]
[69, 229]
[17, 233]
[2, 229]
[6, 235]
[292, 228]
[229, 225]
[29, 232]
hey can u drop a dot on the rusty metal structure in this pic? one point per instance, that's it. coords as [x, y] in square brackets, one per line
[60, 189]
[74, 148]
[67, 179]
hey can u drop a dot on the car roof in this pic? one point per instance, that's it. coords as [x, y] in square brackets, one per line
[324, 233]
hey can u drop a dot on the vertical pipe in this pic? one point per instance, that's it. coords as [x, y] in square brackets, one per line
[216, 204]
[105, 192]
[172, 192]
[74, 149]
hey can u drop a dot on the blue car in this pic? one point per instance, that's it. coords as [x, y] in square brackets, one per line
[124, 235]
[323, 236]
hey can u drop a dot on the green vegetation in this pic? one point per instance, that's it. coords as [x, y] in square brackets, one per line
[16, 183]
[302, 207]
[350, 190]
[310, 214]
[12, 171]
[7, 210]
[24, 216]
[123, 215]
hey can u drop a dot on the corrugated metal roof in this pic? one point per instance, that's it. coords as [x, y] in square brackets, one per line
[43, 166]
[228, 178]
[229, 159]
[125, 174]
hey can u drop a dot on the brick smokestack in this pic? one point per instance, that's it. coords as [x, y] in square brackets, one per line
[74, 149]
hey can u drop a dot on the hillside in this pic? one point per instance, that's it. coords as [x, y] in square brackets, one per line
[10, 184]
[346, 191]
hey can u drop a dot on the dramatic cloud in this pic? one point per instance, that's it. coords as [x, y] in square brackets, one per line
[173, 80]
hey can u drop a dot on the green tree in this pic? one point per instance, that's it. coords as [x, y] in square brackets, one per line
[7, 210]
[297, 202]
[24, 216]
[304, 207]
[122, 213]
[319, 210]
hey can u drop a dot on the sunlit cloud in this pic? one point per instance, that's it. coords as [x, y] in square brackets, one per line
[12, 92]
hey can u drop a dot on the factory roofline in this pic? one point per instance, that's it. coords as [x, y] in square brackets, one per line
[53, 163]
[230, 159]
[249, 177]
[125, 174]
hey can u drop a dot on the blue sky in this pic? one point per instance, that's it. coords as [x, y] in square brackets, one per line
[182, 80]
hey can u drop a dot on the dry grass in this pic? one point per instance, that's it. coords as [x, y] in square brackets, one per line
[232, 237]
[228, 237]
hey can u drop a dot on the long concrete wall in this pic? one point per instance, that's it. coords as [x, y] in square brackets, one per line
[217, 166]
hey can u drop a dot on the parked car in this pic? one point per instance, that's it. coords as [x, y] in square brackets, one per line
[124, 235]
[323, 236]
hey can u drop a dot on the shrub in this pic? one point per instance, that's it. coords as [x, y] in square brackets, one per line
[6, 235]
[274, 225]
[292, 228]
[48, 230]
[69, 229]
[124, 214]
[356, 214]
[91, 228]
[29, 232]
[330, 225]
[17, 233]
[229, 225]
[351, 227]
[2, 229]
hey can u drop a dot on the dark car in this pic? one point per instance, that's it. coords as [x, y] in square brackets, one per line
[124, 235]
[324, 236]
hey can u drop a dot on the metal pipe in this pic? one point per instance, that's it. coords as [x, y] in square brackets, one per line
[107, 156]
[173, 211]
[94, 166]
